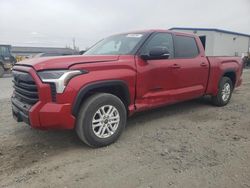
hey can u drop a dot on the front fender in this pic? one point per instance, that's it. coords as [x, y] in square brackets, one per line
[95, 85]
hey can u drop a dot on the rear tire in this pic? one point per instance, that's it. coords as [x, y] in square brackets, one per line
[224, 92]
[1, 71]
[101, 120]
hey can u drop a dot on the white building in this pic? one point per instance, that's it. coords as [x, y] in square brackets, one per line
[219, 42]
[33, 51]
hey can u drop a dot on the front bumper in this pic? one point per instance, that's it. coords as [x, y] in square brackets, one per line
[19, 111]
[44, 114]
[51, 116]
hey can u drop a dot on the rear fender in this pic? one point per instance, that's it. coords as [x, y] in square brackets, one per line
[216, 82]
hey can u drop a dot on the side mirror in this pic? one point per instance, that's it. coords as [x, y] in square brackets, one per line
[157, 53]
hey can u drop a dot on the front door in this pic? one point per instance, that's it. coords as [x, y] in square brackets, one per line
[155, 80]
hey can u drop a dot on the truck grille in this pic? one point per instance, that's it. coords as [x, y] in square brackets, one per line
[25, 89]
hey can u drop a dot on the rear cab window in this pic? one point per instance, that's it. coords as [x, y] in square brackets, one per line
[185, 47]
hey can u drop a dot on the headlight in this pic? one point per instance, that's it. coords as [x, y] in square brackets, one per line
[59, 77]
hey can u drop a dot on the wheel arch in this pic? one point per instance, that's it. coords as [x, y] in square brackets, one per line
[230, 73]
[116, 87]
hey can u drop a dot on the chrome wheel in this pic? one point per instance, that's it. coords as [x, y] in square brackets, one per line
[226, 92]
[105, 121]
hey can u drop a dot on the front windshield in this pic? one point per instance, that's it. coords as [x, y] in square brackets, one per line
[123, 44]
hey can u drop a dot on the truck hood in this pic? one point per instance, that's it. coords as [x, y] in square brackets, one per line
[64, 62]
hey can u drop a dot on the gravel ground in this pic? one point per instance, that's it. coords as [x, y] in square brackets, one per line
[191, 144]
[5, 86]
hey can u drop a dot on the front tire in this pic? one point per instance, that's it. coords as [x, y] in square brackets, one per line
[224, 92]
[101, 120]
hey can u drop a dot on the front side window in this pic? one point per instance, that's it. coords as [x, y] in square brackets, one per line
[162, 40]
[123, 44]
[185, 47]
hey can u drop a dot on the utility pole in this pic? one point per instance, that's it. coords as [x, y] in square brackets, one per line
[74, 43]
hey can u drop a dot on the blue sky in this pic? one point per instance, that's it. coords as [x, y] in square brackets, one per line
[55, 23]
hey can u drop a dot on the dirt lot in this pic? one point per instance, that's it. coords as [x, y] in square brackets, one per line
[191, 144]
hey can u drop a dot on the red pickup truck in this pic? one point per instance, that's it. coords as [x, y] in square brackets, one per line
[126, 73]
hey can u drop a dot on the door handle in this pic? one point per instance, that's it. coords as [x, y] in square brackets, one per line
[203, 64]
[175, 66]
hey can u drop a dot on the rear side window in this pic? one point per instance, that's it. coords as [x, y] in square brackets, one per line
[185, 47]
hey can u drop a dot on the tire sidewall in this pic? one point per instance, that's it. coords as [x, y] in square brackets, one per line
[86, 122]
[223, 81]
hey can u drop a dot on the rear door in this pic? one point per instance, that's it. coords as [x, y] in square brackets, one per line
[191, 68]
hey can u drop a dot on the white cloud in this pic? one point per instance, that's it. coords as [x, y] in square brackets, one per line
[55, 23]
